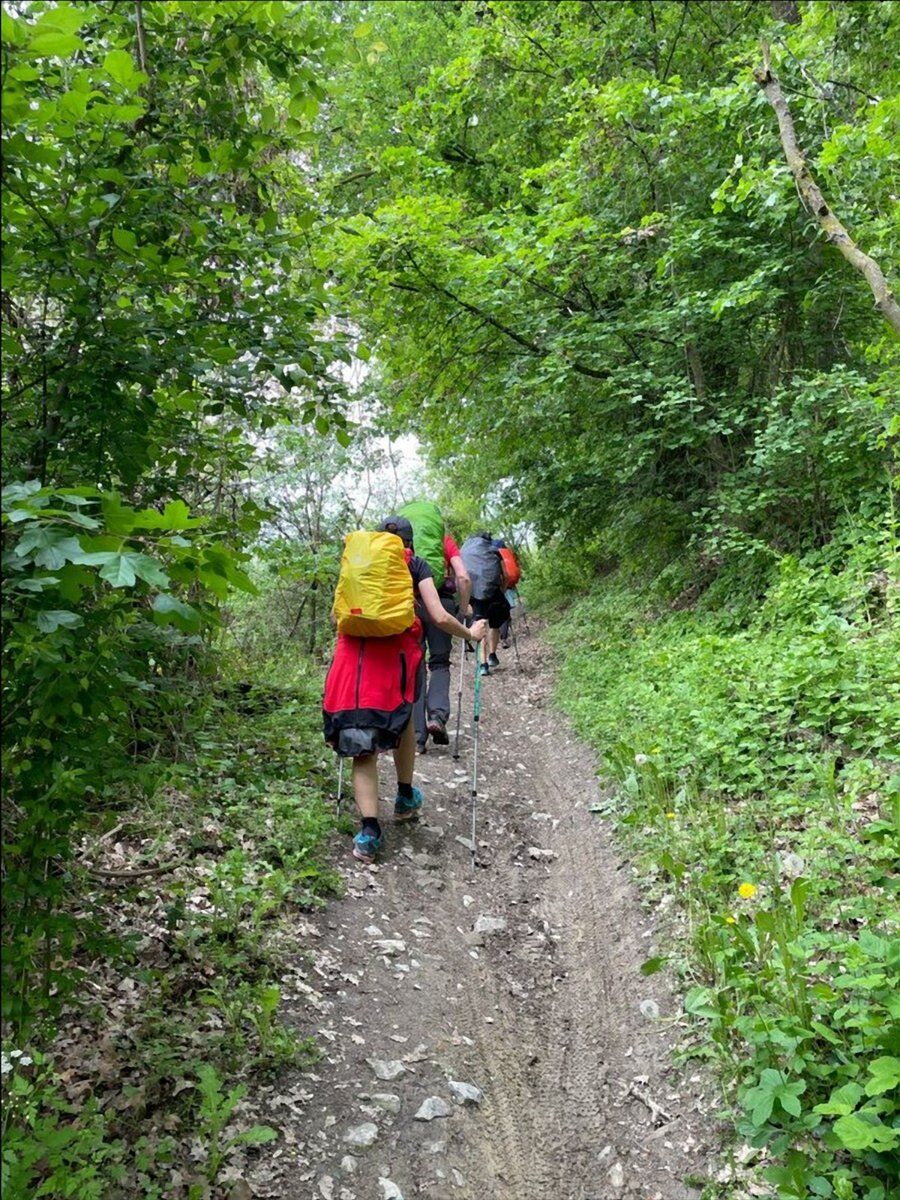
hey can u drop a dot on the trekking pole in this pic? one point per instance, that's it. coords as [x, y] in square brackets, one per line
[340, 795]
[462, 663]
[512, 630]
[475, 752]
[524, 617]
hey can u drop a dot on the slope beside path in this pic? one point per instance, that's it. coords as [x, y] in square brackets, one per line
[520, 977]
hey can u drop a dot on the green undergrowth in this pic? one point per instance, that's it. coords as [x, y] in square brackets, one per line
[754, 751]
[142, 1083]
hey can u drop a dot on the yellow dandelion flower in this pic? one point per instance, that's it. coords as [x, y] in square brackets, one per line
[747, 891]
[730, 921]
[655, 750]
[670, 816]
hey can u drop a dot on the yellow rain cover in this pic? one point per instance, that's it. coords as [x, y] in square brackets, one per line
[374, 594]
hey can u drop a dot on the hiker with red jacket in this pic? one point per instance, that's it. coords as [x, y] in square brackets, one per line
[373, 681]
[432, 709]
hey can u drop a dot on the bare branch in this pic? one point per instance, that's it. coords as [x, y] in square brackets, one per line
[815, 202]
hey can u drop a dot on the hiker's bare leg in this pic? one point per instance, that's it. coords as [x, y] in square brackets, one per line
[405, 754]
[365, 784]
[493, 640]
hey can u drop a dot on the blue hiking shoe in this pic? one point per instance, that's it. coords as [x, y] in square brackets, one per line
[484, 669]
[408, 810]
[366, 845]
[493, 661]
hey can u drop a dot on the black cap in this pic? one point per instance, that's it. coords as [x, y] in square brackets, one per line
[400, 526]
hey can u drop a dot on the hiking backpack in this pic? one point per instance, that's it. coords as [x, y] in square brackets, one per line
[483, 563]
[374, 593]
[428, 535]
[511, 565]
[370, 690]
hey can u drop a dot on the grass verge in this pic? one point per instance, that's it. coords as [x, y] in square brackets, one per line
[755, 752]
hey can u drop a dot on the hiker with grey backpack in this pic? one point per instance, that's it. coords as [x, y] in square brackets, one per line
[486, 570]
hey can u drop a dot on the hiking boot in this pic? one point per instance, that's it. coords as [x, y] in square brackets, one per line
[493, 661]
[484, 669]
[366, 845]
[437, 727]
[505, 643]
[421, 747]
[408, 810]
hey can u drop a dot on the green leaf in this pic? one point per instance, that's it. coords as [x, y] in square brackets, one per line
[53, 44]
[13, 31]
[119, 65]
[363, 30]
[651, 965]
[699, 1002]
[854, 1134]
[64, 18]
[762, 1109]
[149, 570]
[124, 239]
[885, 1073]
[176, 515]
[167, 605]
[53, 619]
[842, 1100]
[256, 1135]
[119, 571]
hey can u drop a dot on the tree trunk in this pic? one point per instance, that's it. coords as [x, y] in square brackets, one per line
[815, 202]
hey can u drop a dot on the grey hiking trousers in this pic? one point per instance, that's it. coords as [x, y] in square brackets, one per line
[435, 702]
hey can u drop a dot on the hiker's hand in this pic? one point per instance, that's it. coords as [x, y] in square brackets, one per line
[469, 612]
[478, 632]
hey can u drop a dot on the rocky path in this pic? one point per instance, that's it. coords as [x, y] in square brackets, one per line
[519, 979]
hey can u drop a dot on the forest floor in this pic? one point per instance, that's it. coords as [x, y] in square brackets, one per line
[546, 1013]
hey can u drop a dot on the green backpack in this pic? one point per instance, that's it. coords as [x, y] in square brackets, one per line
[428, 535]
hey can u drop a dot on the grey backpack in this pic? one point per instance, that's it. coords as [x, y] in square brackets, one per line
[483, 562]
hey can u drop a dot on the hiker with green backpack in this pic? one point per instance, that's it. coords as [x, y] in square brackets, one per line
[440, 551]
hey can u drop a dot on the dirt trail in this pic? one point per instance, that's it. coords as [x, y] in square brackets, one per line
[580, 1100]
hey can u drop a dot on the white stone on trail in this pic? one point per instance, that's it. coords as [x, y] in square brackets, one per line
[464, 841]
[541, 855]
[649, 1009]
[387, 1068]
[489, 924]
[419, 1054]
[465, 1093]
[468, 901]
[389, 1190]
[388, 1101]
[326, 1187]
[433, 1107]
[373, 931]
[361, 1137]
[617, 1176]
[391, 946]
[348, 1164]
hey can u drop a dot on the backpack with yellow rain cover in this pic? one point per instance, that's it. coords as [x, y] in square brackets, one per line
[374, 593]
